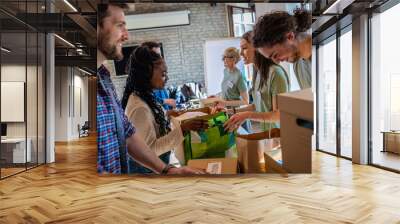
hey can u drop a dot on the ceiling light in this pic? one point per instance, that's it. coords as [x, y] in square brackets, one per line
[5, 50]
[331, 7]
[70, 5]
[338, 6]
[65, 41]
[86, 72]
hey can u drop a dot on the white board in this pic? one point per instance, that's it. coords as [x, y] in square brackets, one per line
[213, 64]
[12, 101]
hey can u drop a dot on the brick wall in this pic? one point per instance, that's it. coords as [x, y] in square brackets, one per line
[182, 45]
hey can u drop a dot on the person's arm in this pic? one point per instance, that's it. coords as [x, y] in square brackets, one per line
[242, 87]
[249, 107]
[170, 102]
[143, 120]
[236, 103]
[138, 149]
[237, 119]
[245, 97]
[278, 85]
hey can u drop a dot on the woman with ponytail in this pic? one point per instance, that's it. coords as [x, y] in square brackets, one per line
[147, 72]
[284, 37]
[269, 79]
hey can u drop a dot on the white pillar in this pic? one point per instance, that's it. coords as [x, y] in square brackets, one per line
[50, 93]
[360, 90]
[50, 100]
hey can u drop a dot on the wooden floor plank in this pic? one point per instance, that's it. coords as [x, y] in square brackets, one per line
[70, 191]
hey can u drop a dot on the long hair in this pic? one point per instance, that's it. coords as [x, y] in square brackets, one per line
[141, 65]
[263, 66]
[261, 63]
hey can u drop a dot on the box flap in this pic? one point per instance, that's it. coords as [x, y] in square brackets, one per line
[298, 103]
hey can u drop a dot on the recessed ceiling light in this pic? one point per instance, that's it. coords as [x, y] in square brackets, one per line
[86, 72]
[70, 5]
[64, 40]
[5, 50]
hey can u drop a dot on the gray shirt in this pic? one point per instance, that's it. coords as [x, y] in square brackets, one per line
[302, 70]
[233, 84]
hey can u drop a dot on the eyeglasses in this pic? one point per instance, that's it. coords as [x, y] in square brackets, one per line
[230, 57]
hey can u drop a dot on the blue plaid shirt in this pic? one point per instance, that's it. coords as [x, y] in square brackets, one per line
[108, 158]
[161, 95]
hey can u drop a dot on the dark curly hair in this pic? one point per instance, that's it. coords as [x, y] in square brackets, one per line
[141, 65]
[272, 28]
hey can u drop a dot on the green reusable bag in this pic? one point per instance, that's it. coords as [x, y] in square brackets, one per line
[210, 143]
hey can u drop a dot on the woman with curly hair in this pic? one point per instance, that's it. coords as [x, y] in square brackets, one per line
[147, 72]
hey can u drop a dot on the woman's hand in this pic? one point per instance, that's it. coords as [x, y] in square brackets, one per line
[174, 113]
[185, 170]
[194, 125]
[236, 120]
[170, 102]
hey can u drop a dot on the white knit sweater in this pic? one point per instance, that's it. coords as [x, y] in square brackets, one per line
[140, 115]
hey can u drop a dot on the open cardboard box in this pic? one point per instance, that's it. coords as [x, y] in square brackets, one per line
[296, 120]
[216, 165]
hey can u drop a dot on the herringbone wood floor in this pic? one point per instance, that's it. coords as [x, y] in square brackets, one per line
[70, 191]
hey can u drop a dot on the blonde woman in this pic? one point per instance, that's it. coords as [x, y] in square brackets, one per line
[233, 86]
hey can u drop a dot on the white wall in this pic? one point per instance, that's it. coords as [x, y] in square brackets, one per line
[70, 83]
[16, 73]
[33, 126]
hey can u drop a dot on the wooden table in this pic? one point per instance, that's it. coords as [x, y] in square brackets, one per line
[391, 141]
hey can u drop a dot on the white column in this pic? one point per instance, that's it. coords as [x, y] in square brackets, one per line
[360, 90]
[50, 93]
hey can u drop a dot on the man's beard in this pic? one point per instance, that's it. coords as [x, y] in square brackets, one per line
[109, 50]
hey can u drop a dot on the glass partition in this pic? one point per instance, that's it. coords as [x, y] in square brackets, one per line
[385, 89]
[327, 96]
[346, 93]
[22, 88]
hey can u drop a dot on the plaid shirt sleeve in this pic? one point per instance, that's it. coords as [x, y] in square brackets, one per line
[108, 160]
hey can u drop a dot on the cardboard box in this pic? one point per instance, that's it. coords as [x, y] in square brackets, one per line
[273, 162]
[391, 142]
[208, 102]
[296, 112]
[215, 166]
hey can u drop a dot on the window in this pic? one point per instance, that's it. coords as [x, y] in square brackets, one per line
[241, 20]
[327, 96]
[346, 93]
[385, 89]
